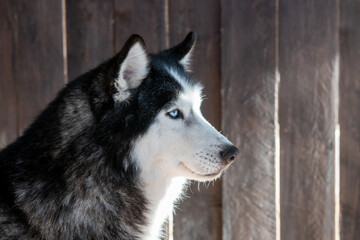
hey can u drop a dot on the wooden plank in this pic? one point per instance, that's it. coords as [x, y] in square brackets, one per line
[8, 96]
[248, 117]
[199, 217]
[90, 34]
[37, 56]
[308, 66]
[349, 115]
[146, 18]
[35, 42]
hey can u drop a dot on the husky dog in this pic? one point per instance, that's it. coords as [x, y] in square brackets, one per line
[109, 156]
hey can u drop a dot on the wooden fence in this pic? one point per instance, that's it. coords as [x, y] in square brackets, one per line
[296, 177]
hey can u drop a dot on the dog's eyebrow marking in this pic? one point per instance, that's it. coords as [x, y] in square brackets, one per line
[169, 105]
[191, 91]
[184, 82]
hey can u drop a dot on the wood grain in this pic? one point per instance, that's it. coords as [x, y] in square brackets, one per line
[349, 118]
[199, 216]
[37, 60]
[90, 34]
[308, 49]
[248, 118]
[8, 94]
[146, 18]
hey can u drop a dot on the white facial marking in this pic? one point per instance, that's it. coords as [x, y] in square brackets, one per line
[186, 146]
[192, 94]
[174, 149]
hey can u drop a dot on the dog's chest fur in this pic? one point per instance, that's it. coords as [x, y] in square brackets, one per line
[162, 193]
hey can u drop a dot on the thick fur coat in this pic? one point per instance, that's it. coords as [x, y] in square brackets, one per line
[85, 168]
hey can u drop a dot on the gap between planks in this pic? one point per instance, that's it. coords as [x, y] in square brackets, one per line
[277, 127]
[64, 41]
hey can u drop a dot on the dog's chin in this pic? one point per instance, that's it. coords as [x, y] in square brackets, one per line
[202, 177]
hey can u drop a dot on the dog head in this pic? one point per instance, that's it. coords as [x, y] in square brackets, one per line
[162, 103]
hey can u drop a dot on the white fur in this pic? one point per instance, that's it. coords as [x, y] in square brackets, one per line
[192, 94]
[186, 60]
[133, 70]
[162, 186]
[173, 150]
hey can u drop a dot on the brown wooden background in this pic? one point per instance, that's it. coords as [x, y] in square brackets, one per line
[282, 81]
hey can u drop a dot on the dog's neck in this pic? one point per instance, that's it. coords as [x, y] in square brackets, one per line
[161, 191]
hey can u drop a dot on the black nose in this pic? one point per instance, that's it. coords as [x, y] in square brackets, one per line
[229, 153]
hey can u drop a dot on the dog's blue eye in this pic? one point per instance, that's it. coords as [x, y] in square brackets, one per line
[175, 114]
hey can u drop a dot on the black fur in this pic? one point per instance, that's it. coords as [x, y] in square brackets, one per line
[177, 52]
[69, 176]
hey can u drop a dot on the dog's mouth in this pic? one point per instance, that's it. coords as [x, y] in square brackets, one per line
[210, 175]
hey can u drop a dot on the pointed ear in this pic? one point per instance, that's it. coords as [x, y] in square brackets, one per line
[134, 67]
[183, 51]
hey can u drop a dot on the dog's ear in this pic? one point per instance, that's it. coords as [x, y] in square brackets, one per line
[183, 51]
[133, 67]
